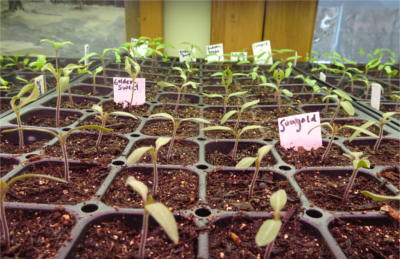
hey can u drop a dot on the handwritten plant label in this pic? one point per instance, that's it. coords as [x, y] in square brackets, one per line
[41, 83]
[262, 52]
[238, 56]
[293, 131]
[184, 55]
[86, 52]
[128, 92]
[376, 90]
[141, 49]
[322, 76]
[215, 52]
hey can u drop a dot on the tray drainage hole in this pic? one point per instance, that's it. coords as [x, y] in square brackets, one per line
[29, 156]
[89, 111]
[145, 116]
[202, 212]
[154, 102]
[268, 139]
[66, 129]
[89, 208]
[201, 139]
[201, 105]
[118, 162]
[335, 138]
[202, 167]
[135, 135]
[284, 168]
[314, 213]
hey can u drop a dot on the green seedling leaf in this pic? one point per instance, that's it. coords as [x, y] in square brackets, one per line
[279, 75]
[191, 83]
[378, 197]
[262, 151]
[363, 163]
[161, 141]
[387, 115]
[348, 107]
[237, 94]
[249, 104]
[32, 96]
[88, 56]
[64, 83]
[278, 200]
[137, 186]
[162, 115]
[199, 120]
[165, 218]
[268, 231]
[287, 92]
[228, 115]
[136, 155]
[361, 129]
[213, 95]
[165, 84]
[245, 162]
[126, 114]
[272, 85]
[57, 45]
[250, 127]
[218, 128]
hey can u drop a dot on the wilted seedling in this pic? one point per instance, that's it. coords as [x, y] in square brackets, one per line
[381, 124]
[103, 116]
[62, 139]
[129, 62]
[239, 113]
[138, 153]
[343, 100]
[379, 197]
[4, 188]
[269, 230]
[157, 210]
[279, 75]
[225, 98]
[57, 46]
[248, 161]
[358, 162]
[176, 123]
[227, 78]
[335, 129]
[180, 89]
[19, 101]
[236, 133]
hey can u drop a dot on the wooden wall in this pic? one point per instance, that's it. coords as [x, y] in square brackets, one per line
[151, 18]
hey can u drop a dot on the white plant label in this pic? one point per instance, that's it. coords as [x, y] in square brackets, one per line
[238, 56]
[140, 50]
[41, 83]
[262, 52]
[215, 52]
[184, 55]
[128, 92]
[86, 52]
[293, 131]
[322, 76]
[376, 90]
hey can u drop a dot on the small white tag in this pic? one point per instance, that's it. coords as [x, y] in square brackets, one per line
[41, 83]
[126, 92]
[262, 52]
[293, 131]
[295, 60]
[215, 52]
[238, 56]
[86, 52]
[322, 76]
[376, 95]
[141, 49]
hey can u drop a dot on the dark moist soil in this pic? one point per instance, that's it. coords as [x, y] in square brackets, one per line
[37, 234]
[183, 111]
[173, 98]
[263, 114]
[345, 132]
[268, 99]
[295, 241]
[224, 158]
[228, 190]
[368, 239]
[189, 89]
[120, 238]
[220, 134]
[216, 113]
[306, 99]
[48, 120]
[187, 129]
[303, 158]
[89, 91]
[141, 110]
[9, 147]
[79, 103]
[177, 189]
[4, 105]
[271, 129]
[387, 154]
[220, 101]
[82, 147]
[326, 190]
[85, 179]
[6, 165]
[214, 89]
[391, 108]
[118, 124]
[183, 152]
[392, 176]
